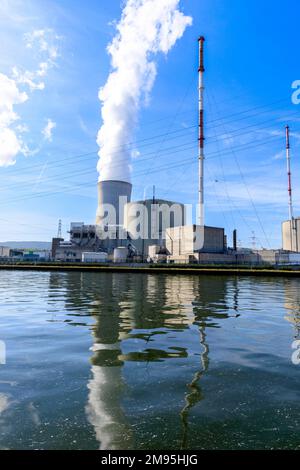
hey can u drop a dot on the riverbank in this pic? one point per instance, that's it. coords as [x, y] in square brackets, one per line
[159, 269]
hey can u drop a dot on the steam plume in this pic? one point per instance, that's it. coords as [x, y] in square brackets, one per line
[146, 28]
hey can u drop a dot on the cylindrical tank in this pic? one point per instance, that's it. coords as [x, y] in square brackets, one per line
[115, 194]
[147, 221]
[94, 257]
[120, 254]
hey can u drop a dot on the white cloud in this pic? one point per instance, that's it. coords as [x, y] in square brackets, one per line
[45, 39]
[135, 154]
[45, 42]
[47, 131]
[279, 155]
[11, 95]
[27, 78]
[276, 132]
[22, 128]
[10, 143]
[296, 135]
[10, 146]
[85, 129]
[227, 139]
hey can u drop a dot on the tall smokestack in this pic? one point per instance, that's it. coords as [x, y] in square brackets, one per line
[201, 130]
[288, 159]
[293, 226]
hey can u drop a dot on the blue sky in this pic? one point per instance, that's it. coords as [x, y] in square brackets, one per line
[251, 62]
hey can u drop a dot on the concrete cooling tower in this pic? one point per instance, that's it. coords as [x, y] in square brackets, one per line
[116, 194]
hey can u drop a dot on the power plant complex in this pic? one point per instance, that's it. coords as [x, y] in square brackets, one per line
[158, 230]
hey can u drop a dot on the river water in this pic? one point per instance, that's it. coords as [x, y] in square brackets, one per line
[136, 361]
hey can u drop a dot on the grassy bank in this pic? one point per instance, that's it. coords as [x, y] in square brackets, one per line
[289, 271]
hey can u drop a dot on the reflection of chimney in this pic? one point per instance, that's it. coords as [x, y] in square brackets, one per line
[110, 192]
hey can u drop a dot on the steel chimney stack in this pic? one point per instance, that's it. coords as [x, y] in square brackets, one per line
[201, 130]
[293, 224]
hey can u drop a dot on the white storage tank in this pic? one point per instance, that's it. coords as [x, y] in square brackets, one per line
[153, 250]
[94, 257]
[120, 254]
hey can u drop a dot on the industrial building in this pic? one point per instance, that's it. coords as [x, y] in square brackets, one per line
[190, 239]
[5, 251]
[144, 229]
[291, 235]
[82, 239]
[157, 229]
[11, 254]
[147, 222]
[144, 225]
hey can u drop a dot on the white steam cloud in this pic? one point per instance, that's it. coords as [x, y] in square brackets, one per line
[146, 28]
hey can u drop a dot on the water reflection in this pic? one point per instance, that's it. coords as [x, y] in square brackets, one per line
[144, 319]
[132, 313]
[118, 361]
[214, 298]
[195, 394]
[292, 304]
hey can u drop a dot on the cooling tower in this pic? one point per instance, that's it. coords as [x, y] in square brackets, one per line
[116, 194]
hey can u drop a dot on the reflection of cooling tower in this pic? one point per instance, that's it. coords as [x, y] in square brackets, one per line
[116, 194]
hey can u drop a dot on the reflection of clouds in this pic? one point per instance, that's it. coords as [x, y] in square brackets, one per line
[4, 422]
[134, 319]
[104, 408]
[2, 353]
[34, 414]
[132, 310]
[136, 312]
[4, 402]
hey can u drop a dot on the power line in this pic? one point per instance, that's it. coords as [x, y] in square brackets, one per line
[222, 166]
[166, 166]
[141, 160]
[162, 135]
[248, 191]
[79, 172]
[164, 139]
